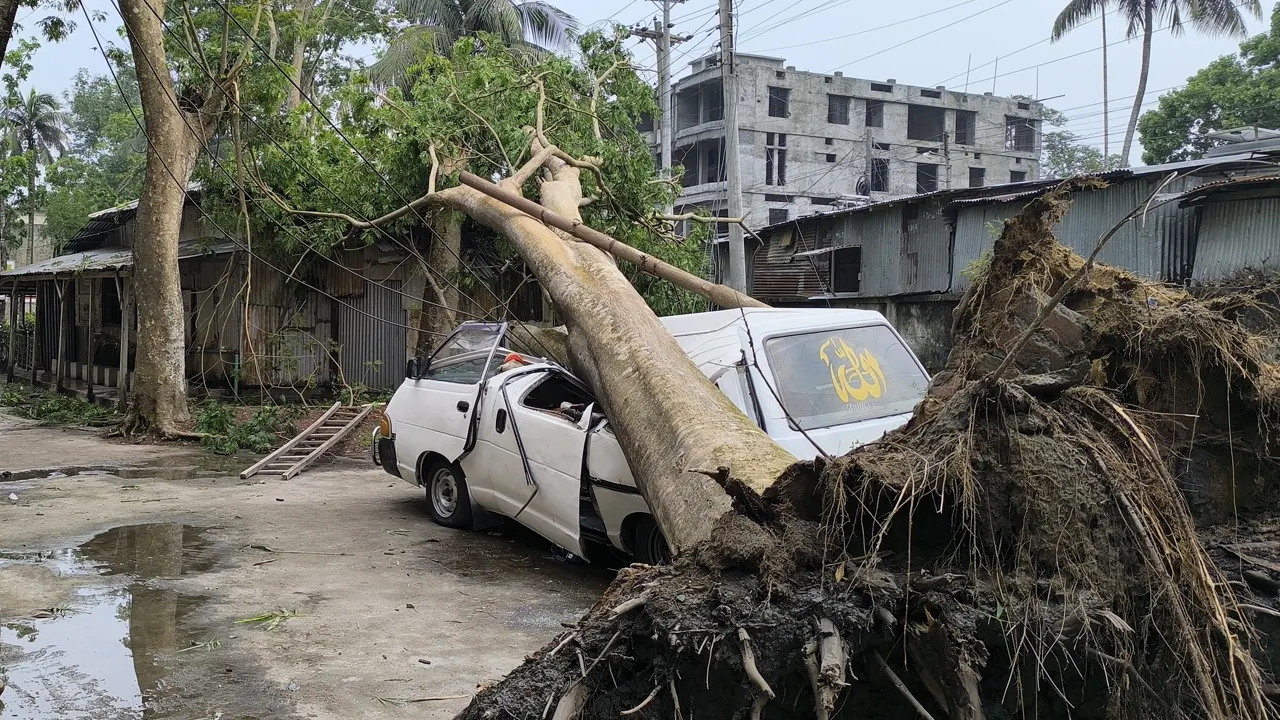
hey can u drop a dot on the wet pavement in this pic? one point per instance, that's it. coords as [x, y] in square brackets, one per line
[108, 650]
[124, 573]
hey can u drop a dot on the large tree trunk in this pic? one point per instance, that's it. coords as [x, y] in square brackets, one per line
[1147, 20]
[303, 10]
[8, 14]
[440, 289]
[675, 422]
[159, 390]
[31, 210]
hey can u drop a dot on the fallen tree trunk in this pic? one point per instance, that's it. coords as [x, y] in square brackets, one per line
[1023, 547]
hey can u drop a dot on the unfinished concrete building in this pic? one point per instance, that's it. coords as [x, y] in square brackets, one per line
[810, 142]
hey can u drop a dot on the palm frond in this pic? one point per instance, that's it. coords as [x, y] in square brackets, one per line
[1074, 14]
[441, 13]
[407, 49]
[1222, 17]
[547, 25]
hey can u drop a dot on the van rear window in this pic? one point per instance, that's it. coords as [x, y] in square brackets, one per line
[842, 376]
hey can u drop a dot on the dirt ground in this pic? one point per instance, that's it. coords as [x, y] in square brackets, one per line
[124, 568]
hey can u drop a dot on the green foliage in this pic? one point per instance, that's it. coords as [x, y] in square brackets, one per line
[103, 165]
[1063, 154]
[473, 107]
[1232, 91]
[52, 408]
[224, 433]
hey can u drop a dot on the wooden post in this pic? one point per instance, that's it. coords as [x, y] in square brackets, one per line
[33, 342]
[61, 360]
[93, 295]
[13, 332]
[126, 325]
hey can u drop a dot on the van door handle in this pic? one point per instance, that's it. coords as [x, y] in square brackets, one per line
[463, 406]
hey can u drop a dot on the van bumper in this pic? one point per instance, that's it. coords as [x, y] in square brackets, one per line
[384, 453]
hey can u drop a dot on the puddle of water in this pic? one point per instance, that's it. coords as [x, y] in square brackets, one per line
[107, 654]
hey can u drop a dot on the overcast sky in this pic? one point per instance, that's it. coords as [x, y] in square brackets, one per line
[923, 42]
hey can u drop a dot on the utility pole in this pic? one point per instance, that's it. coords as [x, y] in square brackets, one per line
[729, 82]
[946, 156]
[1106, 110]
[666, 120]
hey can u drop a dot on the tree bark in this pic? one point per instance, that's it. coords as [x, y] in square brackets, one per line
[159, 388]
[439, 292]
[31, 205]
[303, 10]
[670, 421]
[8, 14]
[1147, 20]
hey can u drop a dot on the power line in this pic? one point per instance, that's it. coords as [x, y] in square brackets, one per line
[924, 35]
[868, 30]
[182, 186]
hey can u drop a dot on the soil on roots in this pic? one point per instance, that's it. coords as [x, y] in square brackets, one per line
[1028, 545]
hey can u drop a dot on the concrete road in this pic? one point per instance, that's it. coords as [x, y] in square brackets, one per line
[123, 577]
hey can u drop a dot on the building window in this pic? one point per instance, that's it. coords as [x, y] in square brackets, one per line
[780, 75]
[828, 141]
[775, 159]
[1016, 176]
[977, 177]
[879, 175]
[926, 177]
[846, 269]
[831, 157]
[875, 113]
[966, 127]
[826, 80]
[771, 197]
[838, 109]
[1019, 134]
[779, 102]
[935, 94]
[881, 87]
[1024, 106]
[926, 123]
[884, 146]
[778, 215]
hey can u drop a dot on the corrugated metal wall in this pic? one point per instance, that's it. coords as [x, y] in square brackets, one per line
[1238, 235]
[373, 353]
[780, 275]
[287, 339]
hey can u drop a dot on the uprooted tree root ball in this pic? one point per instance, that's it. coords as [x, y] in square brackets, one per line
[1027, 546]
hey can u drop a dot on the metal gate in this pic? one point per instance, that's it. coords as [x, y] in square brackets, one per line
[373, 350]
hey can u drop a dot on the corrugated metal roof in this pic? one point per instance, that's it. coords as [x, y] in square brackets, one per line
[1204, 192]
[114, 258]
[1009, 192]
[103, 222]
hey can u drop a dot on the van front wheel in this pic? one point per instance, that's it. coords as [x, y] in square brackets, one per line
[647, 543]
[448, 502]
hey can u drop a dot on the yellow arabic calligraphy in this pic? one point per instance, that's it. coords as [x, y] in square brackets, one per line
[856, 376]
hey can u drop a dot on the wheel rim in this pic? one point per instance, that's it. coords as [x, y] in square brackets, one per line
[658, 549]
[444, 492]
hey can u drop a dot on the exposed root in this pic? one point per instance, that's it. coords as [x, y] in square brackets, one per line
[749, 663]
[900, 686]
[644, 703]
[1030, 546]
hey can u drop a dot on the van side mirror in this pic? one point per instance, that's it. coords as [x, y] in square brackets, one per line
[411, 369]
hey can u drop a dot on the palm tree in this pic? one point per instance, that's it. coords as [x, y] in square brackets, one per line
[437, 24]
[36, 129]
[1212, 17]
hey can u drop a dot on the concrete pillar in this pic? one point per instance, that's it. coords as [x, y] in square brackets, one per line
[13, 331]
[93, 295]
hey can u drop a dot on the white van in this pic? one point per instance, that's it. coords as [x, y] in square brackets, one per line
[485, 430]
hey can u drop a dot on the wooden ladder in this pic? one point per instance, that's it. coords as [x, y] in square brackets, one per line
[299, 453]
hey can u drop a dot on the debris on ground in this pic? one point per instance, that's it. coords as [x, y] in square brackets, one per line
[1081, 529]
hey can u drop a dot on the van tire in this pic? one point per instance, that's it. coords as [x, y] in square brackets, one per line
[448, 500]
[647, 543]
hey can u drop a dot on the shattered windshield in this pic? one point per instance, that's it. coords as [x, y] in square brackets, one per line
[841, 376]
[468, 356]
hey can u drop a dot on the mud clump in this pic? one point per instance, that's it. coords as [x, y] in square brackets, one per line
[1043, 539]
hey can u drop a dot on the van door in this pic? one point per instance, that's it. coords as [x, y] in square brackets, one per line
[535, 442]
[441, 402]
